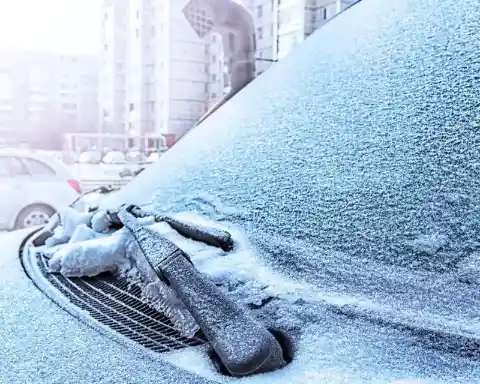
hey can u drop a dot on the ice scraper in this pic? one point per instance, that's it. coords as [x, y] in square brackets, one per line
[243, 345]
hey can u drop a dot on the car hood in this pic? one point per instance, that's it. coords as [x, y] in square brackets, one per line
[44, 344]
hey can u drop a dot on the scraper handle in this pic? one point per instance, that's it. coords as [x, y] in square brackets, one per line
[243, 345]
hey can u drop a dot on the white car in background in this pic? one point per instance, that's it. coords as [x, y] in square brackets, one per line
[134, 156]
[153, 157]
[33, 186]
[114, 157]
[90, 157]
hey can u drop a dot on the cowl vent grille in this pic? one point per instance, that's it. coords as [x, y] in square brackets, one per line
[118, 305]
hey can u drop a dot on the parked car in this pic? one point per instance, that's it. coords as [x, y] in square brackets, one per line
[134, 156]
[33, 186]
[114, 157]
[153, 157]
[348, 175]
[90, 157]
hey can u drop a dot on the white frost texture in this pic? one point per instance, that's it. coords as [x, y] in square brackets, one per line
[299, 307]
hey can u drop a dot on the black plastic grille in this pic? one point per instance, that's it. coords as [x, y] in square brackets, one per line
[117, 304]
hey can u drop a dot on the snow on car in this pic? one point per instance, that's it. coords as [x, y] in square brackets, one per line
[90, 157]
[114, 157]
[346, 175]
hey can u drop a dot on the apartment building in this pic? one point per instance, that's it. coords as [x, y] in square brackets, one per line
[158, 76]
[283, 24]
[113, 70]
[263, 13]
[47, 92]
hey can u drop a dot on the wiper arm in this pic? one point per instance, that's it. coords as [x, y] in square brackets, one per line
[103, 190]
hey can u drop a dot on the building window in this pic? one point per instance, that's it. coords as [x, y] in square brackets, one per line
[260, 32]
[138, 14]
[324, 13]
[151, 106]
[137, 33]
[150, 73]
[214, 95]
[214, 58]
[69, 106]
[259, 11]
[205, 87]
[206, 68]
[214, 77]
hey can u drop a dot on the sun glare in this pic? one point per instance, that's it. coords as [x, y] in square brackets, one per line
[69, 26]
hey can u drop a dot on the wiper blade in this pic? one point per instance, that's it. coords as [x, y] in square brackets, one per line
[210, 236]
[103, 190]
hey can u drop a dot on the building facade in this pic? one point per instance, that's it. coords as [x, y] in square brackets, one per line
[47, 92]
[113, 69]
[158, 76]
[283, 24]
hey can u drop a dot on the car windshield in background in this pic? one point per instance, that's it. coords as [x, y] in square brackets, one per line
[360, 148]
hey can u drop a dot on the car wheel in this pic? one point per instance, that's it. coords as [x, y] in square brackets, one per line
[33, 216]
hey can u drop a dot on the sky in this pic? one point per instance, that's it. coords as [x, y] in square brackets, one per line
[66, 26]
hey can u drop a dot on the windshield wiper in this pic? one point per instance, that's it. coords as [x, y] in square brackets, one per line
[103, 190]
[210, 236]
[241, 343]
